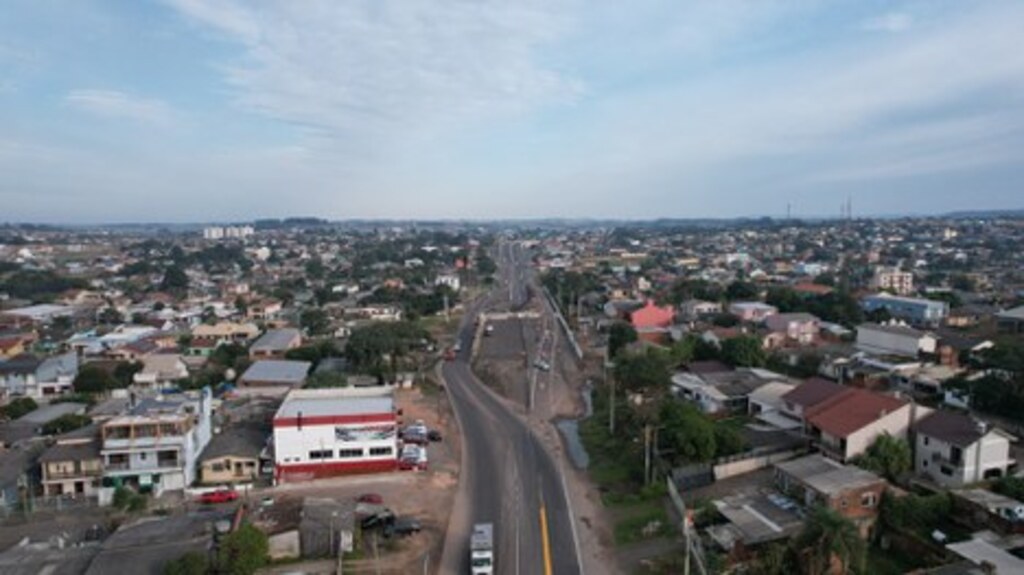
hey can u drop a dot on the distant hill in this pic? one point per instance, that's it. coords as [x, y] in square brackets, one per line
[971, 214]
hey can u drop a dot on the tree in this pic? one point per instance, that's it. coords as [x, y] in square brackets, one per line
[241, 305]
[827, 536]
[175, 280]
[326, 379]
[315, 321]
[65, 423]
[620, 334]
[93, 379]
[243, 551]
[110, 316]
[191, 563]
[888, 456]
[18, 408]
[741, 290]
[686, 433]
[124, 372]
[646, 373]
[743, 351]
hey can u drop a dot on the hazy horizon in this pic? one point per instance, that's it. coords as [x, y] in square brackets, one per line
[185, 111]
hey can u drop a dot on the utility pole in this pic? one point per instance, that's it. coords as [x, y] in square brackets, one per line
[647, 454]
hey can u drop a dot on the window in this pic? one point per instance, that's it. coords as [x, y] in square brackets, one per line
[321, 454]
[926, 440]
[868, 500]
[381, 451]
[349, 453]
[842, 503]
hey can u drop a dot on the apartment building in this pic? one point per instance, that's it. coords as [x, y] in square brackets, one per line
[154, 447]
[893, 279]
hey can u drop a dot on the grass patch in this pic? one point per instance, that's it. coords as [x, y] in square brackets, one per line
[616, 464]
[643, 521]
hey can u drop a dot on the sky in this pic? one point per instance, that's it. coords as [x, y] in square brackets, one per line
[230, 110]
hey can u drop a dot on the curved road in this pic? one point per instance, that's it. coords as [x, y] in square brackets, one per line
[507, 477]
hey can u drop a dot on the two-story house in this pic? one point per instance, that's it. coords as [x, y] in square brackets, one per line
[275, 343]
[792, 328]
[953, 449]
[812, 392]
[155, 446]
[844, 426]
[73, 466]
[816, 480]
[35, 377]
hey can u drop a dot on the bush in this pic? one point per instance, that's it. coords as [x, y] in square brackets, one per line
[915, 512]
[1010, 487]
[18, 407]
[127, 500]
[65, 423]
[191, 563]
[243, 551]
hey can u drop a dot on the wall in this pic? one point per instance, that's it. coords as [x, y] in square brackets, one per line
[739, 467]
[227, 474]
[895, 424]
[885, 342]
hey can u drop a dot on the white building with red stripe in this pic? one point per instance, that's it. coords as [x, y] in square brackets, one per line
[325, 432]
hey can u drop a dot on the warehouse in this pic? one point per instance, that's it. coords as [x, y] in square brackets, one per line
[325, 432]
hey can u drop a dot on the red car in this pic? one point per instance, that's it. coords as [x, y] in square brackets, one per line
[220, 496]
[374, 498]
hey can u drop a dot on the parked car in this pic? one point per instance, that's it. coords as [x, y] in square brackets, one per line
[219, 496]
[542, 365]
[377, 520]
[413, 457]
[375, 498]
[403, 526]
[434, 435]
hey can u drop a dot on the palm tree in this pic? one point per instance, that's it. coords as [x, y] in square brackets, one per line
[828, 536]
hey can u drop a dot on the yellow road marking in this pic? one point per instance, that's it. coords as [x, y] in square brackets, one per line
[545, 543]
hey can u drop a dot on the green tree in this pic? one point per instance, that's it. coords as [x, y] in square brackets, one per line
[620, 334]
[124, 372]
[647, 373]
[65, 423]
[325, 379]
[687, 435]
[743, 351]
[191, 563]
[19, 407]
[93, 379]
[175, 280]
[110, 316]
[741, 290]
[243, 552]
[888, 456]
[827, 537]
[315, 321]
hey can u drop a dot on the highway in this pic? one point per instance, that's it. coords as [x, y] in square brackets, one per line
[507, 476]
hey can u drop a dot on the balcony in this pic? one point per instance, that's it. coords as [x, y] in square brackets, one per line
[144, 442]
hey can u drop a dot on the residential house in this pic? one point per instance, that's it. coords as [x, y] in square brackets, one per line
[895, 338]
[917, 311]
[792, 328]
[35, 377]
[155, 445]
[723, 392]
[845, 425]
[695, 309]
[1011, 320]
[752, 311]
[232, 456]
[263, 310]
[451, 281]
[224, 332]
[11, 346]
[274, 376]
[651, 322]
[812, 392]
[766, 403]
[275, 343]
[953, 449]
[816, 480]
[161, 370]
[893, 280]
[73, 466]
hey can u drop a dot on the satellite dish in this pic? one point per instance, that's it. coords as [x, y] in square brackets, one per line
[229, 374]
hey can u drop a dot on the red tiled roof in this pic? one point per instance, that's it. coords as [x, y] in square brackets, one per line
[810, 288]
[652, 316]
[847, 412]
[813, 391]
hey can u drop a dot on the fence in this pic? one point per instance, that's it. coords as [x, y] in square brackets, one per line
[565, 326]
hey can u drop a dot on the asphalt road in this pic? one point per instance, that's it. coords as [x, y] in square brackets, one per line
[508, 478]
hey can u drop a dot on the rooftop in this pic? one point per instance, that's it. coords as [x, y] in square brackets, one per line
[846, 413]
[827, 476]
[277, 370]
[813, 391]
[275, 340]
[342, 402]
[956, 428]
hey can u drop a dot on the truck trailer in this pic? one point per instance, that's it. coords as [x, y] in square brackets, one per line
[481, 549]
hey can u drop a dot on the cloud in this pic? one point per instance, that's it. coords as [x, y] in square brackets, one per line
[120, 105]
[388, 71]
[891, 22]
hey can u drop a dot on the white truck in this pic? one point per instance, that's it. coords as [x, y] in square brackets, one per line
[481, 549]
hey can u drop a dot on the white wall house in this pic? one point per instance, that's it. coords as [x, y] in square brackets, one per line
[325, 432]
[954, 450]
[156, 445]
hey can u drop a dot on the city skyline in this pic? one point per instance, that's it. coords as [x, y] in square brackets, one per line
[186, 111]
